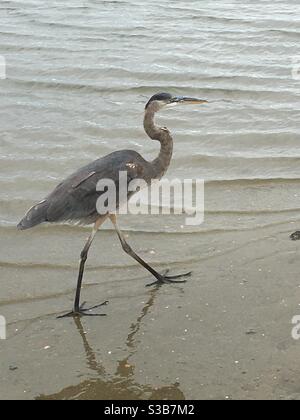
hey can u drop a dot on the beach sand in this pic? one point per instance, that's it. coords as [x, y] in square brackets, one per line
[224, 334]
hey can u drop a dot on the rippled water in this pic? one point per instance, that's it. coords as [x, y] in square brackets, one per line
[79, 72]
[78, 75]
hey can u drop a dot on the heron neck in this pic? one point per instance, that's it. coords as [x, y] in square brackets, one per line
[162, 162]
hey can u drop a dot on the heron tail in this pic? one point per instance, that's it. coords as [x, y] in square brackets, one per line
[35, 216]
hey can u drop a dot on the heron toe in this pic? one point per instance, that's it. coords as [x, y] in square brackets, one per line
[165, 279]
[81, 311]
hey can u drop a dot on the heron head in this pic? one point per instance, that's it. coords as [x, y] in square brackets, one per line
[162, 100]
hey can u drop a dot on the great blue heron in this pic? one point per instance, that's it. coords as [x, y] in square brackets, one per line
[75, 199]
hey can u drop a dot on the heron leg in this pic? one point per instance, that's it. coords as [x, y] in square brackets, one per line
[78, 309]
[161, 278]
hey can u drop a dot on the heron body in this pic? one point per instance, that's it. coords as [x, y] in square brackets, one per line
[75, 199]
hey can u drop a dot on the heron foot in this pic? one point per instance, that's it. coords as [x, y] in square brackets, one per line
[81, 311]
[165, 279]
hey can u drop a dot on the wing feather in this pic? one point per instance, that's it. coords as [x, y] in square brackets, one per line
[76, 197]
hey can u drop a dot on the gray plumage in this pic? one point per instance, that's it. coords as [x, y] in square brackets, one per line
[75, 199]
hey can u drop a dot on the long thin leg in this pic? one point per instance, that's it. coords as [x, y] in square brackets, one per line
[161, 279]
[79, 310]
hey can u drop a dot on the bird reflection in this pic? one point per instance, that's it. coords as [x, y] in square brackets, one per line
[121, 385]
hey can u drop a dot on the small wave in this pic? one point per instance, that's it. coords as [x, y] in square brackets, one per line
[285, 32]
[148, 89]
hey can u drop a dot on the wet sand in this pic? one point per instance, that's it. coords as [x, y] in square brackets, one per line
[224, 334]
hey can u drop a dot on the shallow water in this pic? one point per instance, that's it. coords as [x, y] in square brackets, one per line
[78, 75]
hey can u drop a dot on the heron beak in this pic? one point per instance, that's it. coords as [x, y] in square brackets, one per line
[187, 100]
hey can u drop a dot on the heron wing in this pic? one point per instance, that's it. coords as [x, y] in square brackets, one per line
[76, 197]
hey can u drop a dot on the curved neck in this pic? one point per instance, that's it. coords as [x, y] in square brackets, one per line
[162, 162]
